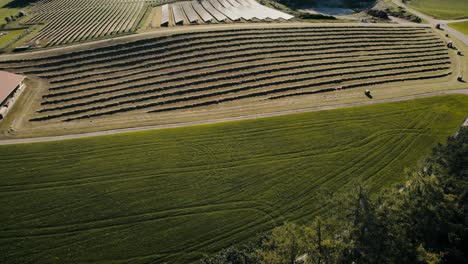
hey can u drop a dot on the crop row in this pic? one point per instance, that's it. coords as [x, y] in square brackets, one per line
[364, 84]
[215, 102]
[229, 61]
[254, 84]
[351, 44]
[257, 85]
[253, 70]
[131, 47]
[214, 43]
[65, 24]
[256, 94]
[94, 87]
[170, 61]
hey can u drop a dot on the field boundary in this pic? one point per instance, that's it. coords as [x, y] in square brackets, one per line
[222, 120]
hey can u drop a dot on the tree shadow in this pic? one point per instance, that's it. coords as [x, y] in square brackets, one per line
[19, 3]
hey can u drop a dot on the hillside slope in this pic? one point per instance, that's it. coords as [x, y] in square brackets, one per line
[170, 195]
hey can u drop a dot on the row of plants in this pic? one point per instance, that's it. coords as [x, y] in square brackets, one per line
[257, 86]
[178, 55]
[228, 99]
[226, 54]
[196, 76]
[246, 77]
[364, 84]
[112, 19]
[227, 60]
[180, 45]
[136, 45]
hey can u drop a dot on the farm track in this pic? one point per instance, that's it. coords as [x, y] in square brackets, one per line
[184, 71]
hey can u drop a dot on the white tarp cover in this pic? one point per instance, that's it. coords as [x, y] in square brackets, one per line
[191, 15]
[164, 14]
[178, 15]
[226, 11]
[214, 12]
[201, 11]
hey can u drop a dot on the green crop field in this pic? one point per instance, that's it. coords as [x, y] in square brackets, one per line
[169, 195]
[10, 36]
[447, 9]
[460, 26]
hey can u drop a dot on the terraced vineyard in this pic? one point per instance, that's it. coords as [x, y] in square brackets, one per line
[70, 20]
[197, 69]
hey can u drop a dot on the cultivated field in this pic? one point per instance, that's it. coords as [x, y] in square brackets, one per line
[6, 36]
[200, 69]
[169, 195]
[68, 21]
[446, 9]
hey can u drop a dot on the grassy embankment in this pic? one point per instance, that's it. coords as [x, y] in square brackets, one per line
[447, 9]
[460, 26]
[168, 195]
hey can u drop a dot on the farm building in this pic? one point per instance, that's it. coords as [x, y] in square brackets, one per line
[9, 85]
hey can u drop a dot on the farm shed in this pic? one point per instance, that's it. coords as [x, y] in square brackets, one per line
[9, 84]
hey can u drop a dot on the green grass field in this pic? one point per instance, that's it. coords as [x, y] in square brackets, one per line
[460, 26]
[169, 195]
[5, 11]
[12, 34]
[447, 9]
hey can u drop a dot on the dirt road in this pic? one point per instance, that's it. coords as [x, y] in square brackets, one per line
[462, 37]
[237, 118]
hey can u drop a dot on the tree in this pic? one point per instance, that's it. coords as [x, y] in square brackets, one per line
[321, 244]
[284, 246]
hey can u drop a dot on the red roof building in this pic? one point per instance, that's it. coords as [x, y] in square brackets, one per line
[9, 82]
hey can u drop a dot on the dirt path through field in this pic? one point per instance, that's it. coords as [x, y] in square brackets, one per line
[227, 119]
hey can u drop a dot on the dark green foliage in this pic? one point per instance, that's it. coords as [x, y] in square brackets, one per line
[19, 3]
[377, 13]
[303, 15]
